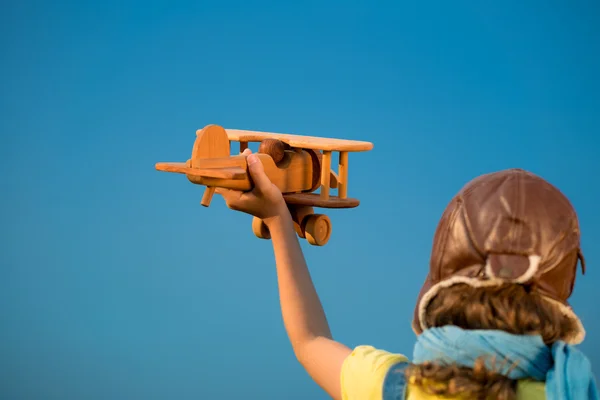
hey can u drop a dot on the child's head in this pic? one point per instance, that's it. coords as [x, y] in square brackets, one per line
[504, 256]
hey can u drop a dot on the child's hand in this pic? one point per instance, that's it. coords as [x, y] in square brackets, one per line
[265, 201]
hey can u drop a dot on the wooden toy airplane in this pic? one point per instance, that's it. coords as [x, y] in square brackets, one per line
[297, 165]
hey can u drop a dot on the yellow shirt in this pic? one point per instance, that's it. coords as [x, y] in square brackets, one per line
[365, 369]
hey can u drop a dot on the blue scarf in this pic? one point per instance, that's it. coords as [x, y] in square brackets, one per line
[566, 371]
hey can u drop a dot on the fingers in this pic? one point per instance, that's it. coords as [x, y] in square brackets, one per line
[237, 200]
[231, 197]
[246, 152]
[257, 173]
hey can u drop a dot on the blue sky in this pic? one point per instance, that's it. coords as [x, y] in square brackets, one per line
[117, 284]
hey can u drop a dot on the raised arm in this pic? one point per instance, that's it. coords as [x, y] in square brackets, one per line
[302, 312]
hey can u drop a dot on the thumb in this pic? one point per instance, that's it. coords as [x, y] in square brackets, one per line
[257, 173]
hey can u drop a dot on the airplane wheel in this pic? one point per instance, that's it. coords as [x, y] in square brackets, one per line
[259, 228]
[317, 229]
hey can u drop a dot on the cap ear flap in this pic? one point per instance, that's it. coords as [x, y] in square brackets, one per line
[581, 259]
[417, 325]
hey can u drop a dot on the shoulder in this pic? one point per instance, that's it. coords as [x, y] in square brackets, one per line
[364, 372]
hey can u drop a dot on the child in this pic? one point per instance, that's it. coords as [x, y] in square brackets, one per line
[492, 320]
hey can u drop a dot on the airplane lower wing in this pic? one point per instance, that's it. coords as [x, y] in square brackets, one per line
[233, 173]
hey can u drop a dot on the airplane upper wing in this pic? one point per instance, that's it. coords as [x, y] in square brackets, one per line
[306, 142]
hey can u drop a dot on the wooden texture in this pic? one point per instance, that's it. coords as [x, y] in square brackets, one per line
[234, 173]
[343, 175]
[317, 229]
[295, 178]
[260, 229]
[304, 142]
[333, 177]
[333, 180]
[316, 168]
[273, 147]
[297, 165]
[211, 142]
[299, 214]
[315, 200]
[325, 175]
[207, 196]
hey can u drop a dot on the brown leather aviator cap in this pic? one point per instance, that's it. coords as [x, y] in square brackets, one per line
[507, 226]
